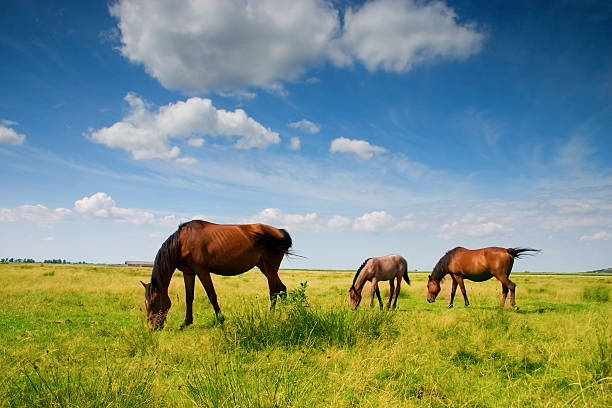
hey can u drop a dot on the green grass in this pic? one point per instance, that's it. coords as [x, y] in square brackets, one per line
[74, 336]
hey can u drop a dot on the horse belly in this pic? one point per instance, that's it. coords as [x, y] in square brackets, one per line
[478, 276]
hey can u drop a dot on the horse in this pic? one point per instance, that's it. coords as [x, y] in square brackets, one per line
[477, 265]
[199, 248]
[384, 268]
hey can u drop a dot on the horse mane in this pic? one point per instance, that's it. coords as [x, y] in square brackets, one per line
[166, 260]
[441, 268]
[359, 270]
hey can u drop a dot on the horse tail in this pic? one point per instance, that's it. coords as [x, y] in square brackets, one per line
[359, 270]
[406, 278]
[273, 243]
[519, 252]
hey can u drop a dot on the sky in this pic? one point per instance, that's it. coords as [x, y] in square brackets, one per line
[363, 128]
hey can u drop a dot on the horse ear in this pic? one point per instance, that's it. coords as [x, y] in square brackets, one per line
[429, 277]
[143, 284]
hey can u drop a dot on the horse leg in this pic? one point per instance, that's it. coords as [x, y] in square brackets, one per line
[189, 279]
[509, 285]
[391, 293]
[269, 267]
[397, 290]
[204, 277]
[376, 292]
[462, 286]
[453, 291]
[504, 295]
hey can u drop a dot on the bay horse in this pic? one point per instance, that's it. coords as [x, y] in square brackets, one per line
[384, 268]
[199, 248]
[477, 265]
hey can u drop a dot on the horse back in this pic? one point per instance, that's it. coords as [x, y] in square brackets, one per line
[223, 249]
[480, 264]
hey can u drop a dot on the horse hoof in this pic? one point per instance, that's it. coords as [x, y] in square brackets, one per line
[184, 325]
[450, 306]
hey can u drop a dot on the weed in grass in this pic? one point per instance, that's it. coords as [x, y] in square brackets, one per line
[598, 293]
[139, 341]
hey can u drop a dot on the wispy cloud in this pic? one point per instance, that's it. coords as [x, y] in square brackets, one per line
[306, 126]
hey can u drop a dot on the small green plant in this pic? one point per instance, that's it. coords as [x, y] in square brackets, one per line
[598, 293]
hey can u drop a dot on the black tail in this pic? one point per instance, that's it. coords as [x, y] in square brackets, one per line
[518, 252]
[275, 244]
[359, 270]
[406, 278]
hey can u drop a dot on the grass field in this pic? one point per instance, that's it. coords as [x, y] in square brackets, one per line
[75, 336]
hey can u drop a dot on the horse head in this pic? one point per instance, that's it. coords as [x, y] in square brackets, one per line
[354, 297]
[157, 304]
[433, 288]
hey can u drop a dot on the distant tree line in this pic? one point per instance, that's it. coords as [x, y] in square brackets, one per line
[30, 260]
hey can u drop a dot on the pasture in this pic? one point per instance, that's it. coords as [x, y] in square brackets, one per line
[74, 335]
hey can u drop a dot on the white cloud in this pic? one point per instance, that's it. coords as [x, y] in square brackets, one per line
[471, 225]
[295, 143]
[9, 135]
[37, 214]
[306, 126]
[147, 135]
[395, 35]
[360, 148]
[196, 142]
[277, 218]
[199, 46]
[47, 239]
[338, 222]
[374, 221]
[101, 205]
[598, 236]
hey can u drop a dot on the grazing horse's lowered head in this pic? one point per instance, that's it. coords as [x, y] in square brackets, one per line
[157, 304]
[433, 288]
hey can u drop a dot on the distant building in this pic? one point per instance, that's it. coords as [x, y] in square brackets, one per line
[139, 263]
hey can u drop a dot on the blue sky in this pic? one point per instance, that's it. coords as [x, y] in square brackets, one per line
[361, 128]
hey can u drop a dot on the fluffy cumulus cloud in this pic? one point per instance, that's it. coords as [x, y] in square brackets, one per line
[360, 148]
[306, 126]
[148, 134]
[37, 214]
[474, 226]
[224, 45]
[9, 135]
[102, 206]
[199, 46]
[394, 35]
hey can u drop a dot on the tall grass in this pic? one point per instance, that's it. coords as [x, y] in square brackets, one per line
[64, 384]
[296, 323]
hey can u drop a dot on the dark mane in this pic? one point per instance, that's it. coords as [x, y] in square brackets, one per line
[166, 260]
[441, 267]
[359, 270]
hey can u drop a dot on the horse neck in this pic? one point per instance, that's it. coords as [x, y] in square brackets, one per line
[360, 281]
[439, 275]
[163, 275]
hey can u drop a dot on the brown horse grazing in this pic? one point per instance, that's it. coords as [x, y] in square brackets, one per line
[384, 268]
[477, 265]
[201, 248]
